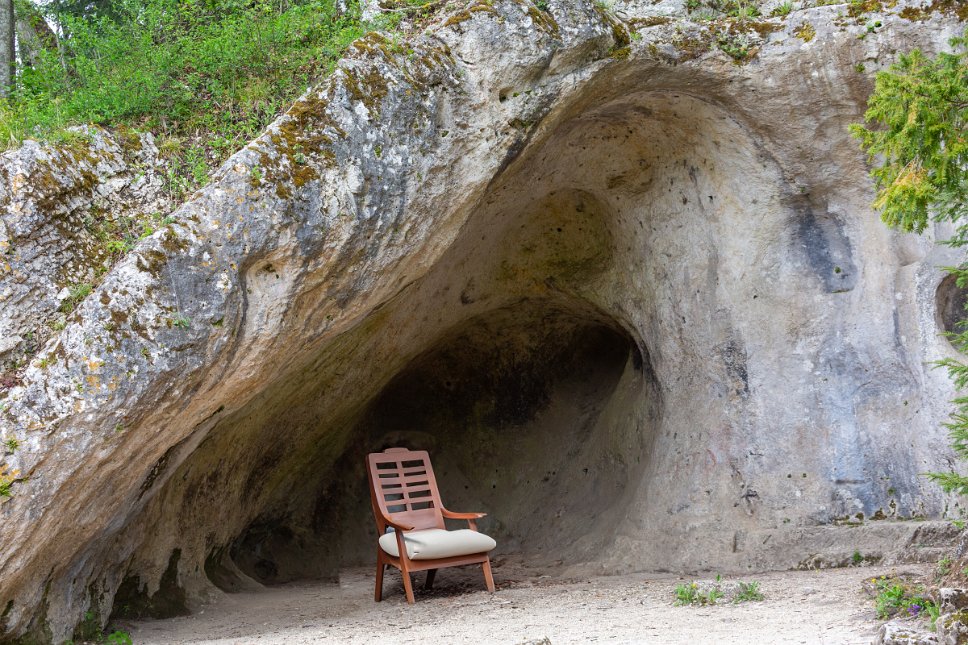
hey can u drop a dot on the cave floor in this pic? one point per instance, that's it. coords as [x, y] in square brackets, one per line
[825, 606]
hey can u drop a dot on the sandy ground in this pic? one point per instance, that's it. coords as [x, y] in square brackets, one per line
[799, 607]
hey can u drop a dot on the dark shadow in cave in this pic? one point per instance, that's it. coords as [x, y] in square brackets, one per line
[525, 411]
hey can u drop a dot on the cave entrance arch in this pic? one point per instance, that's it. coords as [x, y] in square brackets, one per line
[553, 361]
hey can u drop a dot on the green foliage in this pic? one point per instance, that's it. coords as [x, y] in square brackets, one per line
[89, 630]
[783, 9]
[7, 480]
[919, 115]
[737, 46]
[748, 591]
[686, 594]
[943, 568]
[77, 293]
[692, 594]
[209, 73]
[895, 596]
[689, 594]
[741, 9]
[118, 637]
[11, 444]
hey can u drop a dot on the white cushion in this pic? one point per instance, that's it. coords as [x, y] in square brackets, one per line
[430, 544]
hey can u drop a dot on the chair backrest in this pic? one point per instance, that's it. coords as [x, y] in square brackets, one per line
[403, 486]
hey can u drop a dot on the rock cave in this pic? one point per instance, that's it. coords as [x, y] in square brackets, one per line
[628, 309]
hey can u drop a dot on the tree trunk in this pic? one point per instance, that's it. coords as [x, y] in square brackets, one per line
[7, 54]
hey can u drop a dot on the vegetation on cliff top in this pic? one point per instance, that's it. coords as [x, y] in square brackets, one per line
[205, 76]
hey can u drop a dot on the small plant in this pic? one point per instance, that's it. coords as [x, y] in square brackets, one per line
[943, 568]
[181, 322]
[118, 637]
[76, 293]
[748, 592]
[744, 11]
[7, 480]
[686, 594]
[896, 596]
[690, 594]
[736, 46]
[783, 9]
[11, 444]
[118, 247]
[857, 558]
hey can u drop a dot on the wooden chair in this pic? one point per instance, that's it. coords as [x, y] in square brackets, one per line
[404, 495]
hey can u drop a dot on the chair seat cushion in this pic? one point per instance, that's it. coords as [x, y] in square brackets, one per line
[431, 544]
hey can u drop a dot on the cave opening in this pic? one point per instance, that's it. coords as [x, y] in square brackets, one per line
[951, 301]
[554, 361]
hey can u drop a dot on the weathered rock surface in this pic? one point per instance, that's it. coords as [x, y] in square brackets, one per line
[951, 599]
[952, 628]
[56, 203]
[630, 294]
[904, 632]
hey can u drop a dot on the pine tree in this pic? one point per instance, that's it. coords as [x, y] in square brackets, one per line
[918, 142]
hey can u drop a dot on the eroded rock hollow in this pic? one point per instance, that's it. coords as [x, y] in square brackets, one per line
[630, 295]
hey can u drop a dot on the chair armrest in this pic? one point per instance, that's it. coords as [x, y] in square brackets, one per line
[451, 515]
[470, 517]
[395, 525]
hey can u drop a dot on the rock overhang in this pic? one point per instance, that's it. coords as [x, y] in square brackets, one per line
[731, 292]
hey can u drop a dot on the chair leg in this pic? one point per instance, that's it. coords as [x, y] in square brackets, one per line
[408, 586]
[378, 592]
[430, 579]
[488, 578]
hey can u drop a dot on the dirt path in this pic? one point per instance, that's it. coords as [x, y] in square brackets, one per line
[800, 607]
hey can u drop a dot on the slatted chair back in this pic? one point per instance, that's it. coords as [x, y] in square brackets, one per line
[403, 486]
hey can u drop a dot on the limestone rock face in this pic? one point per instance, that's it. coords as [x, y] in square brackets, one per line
[629, 293]
[56, 203]
[905, 632]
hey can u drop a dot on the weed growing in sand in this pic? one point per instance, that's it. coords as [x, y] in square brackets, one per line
[689, 594]
[748, 592]
[712, 592]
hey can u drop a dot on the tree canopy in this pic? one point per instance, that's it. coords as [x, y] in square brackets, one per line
[917, 138]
